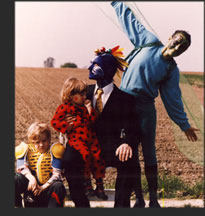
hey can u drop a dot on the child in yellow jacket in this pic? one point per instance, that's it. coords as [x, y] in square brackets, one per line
[38, 170]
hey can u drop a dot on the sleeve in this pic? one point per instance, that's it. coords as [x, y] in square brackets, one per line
[57, 151]
[78, 122]
[20, 155]
[58, 122]
[135, 31]
[130, 134]
[171, 96]
[21, 162]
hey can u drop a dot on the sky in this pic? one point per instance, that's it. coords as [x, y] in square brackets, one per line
[71, 31]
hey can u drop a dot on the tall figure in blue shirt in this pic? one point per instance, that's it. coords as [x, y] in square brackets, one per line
[152, 70]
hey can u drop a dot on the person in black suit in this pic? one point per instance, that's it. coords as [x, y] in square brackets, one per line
[114, 126]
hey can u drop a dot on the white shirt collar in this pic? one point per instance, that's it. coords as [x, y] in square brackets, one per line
[107, 90]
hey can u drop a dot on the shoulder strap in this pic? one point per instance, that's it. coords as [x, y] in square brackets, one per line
[138, 48]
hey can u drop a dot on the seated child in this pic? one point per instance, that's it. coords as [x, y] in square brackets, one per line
[38, 170]
[74, 118]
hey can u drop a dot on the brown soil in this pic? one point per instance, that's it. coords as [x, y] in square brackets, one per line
[37, 97]
[199, 93]
[170, 159]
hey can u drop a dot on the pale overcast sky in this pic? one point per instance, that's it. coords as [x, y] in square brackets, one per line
[71, 31]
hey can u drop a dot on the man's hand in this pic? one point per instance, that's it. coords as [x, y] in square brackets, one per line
[191, 135]
[124, 151]
[70, 118]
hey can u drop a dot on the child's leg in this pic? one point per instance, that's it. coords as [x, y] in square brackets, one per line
[73, 165]
[99, 191]
[87, 171]
[98, 168]
[98, 164]
[89, 187]
[56, 195]
[82, 148]
[21, 184]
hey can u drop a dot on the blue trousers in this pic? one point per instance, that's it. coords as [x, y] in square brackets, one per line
[146, 125]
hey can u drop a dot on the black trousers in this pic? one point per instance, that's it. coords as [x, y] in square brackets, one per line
[52, 197]
[73, 165]
[125, 181]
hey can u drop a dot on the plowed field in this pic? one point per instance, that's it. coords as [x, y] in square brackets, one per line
[37, 93]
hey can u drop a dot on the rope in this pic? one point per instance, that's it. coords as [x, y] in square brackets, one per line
[193, 118]
[137, 8]
[108, 17]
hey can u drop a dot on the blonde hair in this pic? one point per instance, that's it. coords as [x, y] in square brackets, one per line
[70, 87]
[35, 131]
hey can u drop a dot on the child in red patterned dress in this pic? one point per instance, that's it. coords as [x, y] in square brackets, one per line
[79, 132]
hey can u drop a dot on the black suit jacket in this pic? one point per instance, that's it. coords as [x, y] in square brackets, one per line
[117, 115]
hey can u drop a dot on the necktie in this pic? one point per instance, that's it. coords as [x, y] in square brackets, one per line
[99, 105]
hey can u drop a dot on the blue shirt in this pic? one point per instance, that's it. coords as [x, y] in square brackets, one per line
[147, 71]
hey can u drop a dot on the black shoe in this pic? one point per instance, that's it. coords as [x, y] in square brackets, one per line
[101, 194]
[153, 200]
[154, 204]
[89, 192]
[139, 203]
[29, 200]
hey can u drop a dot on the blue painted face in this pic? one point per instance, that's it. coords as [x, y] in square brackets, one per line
[103, 67]
[96, 72]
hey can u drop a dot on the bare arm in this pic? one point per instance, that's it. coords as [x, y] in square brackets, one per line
[24, 170]
[56, 176]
